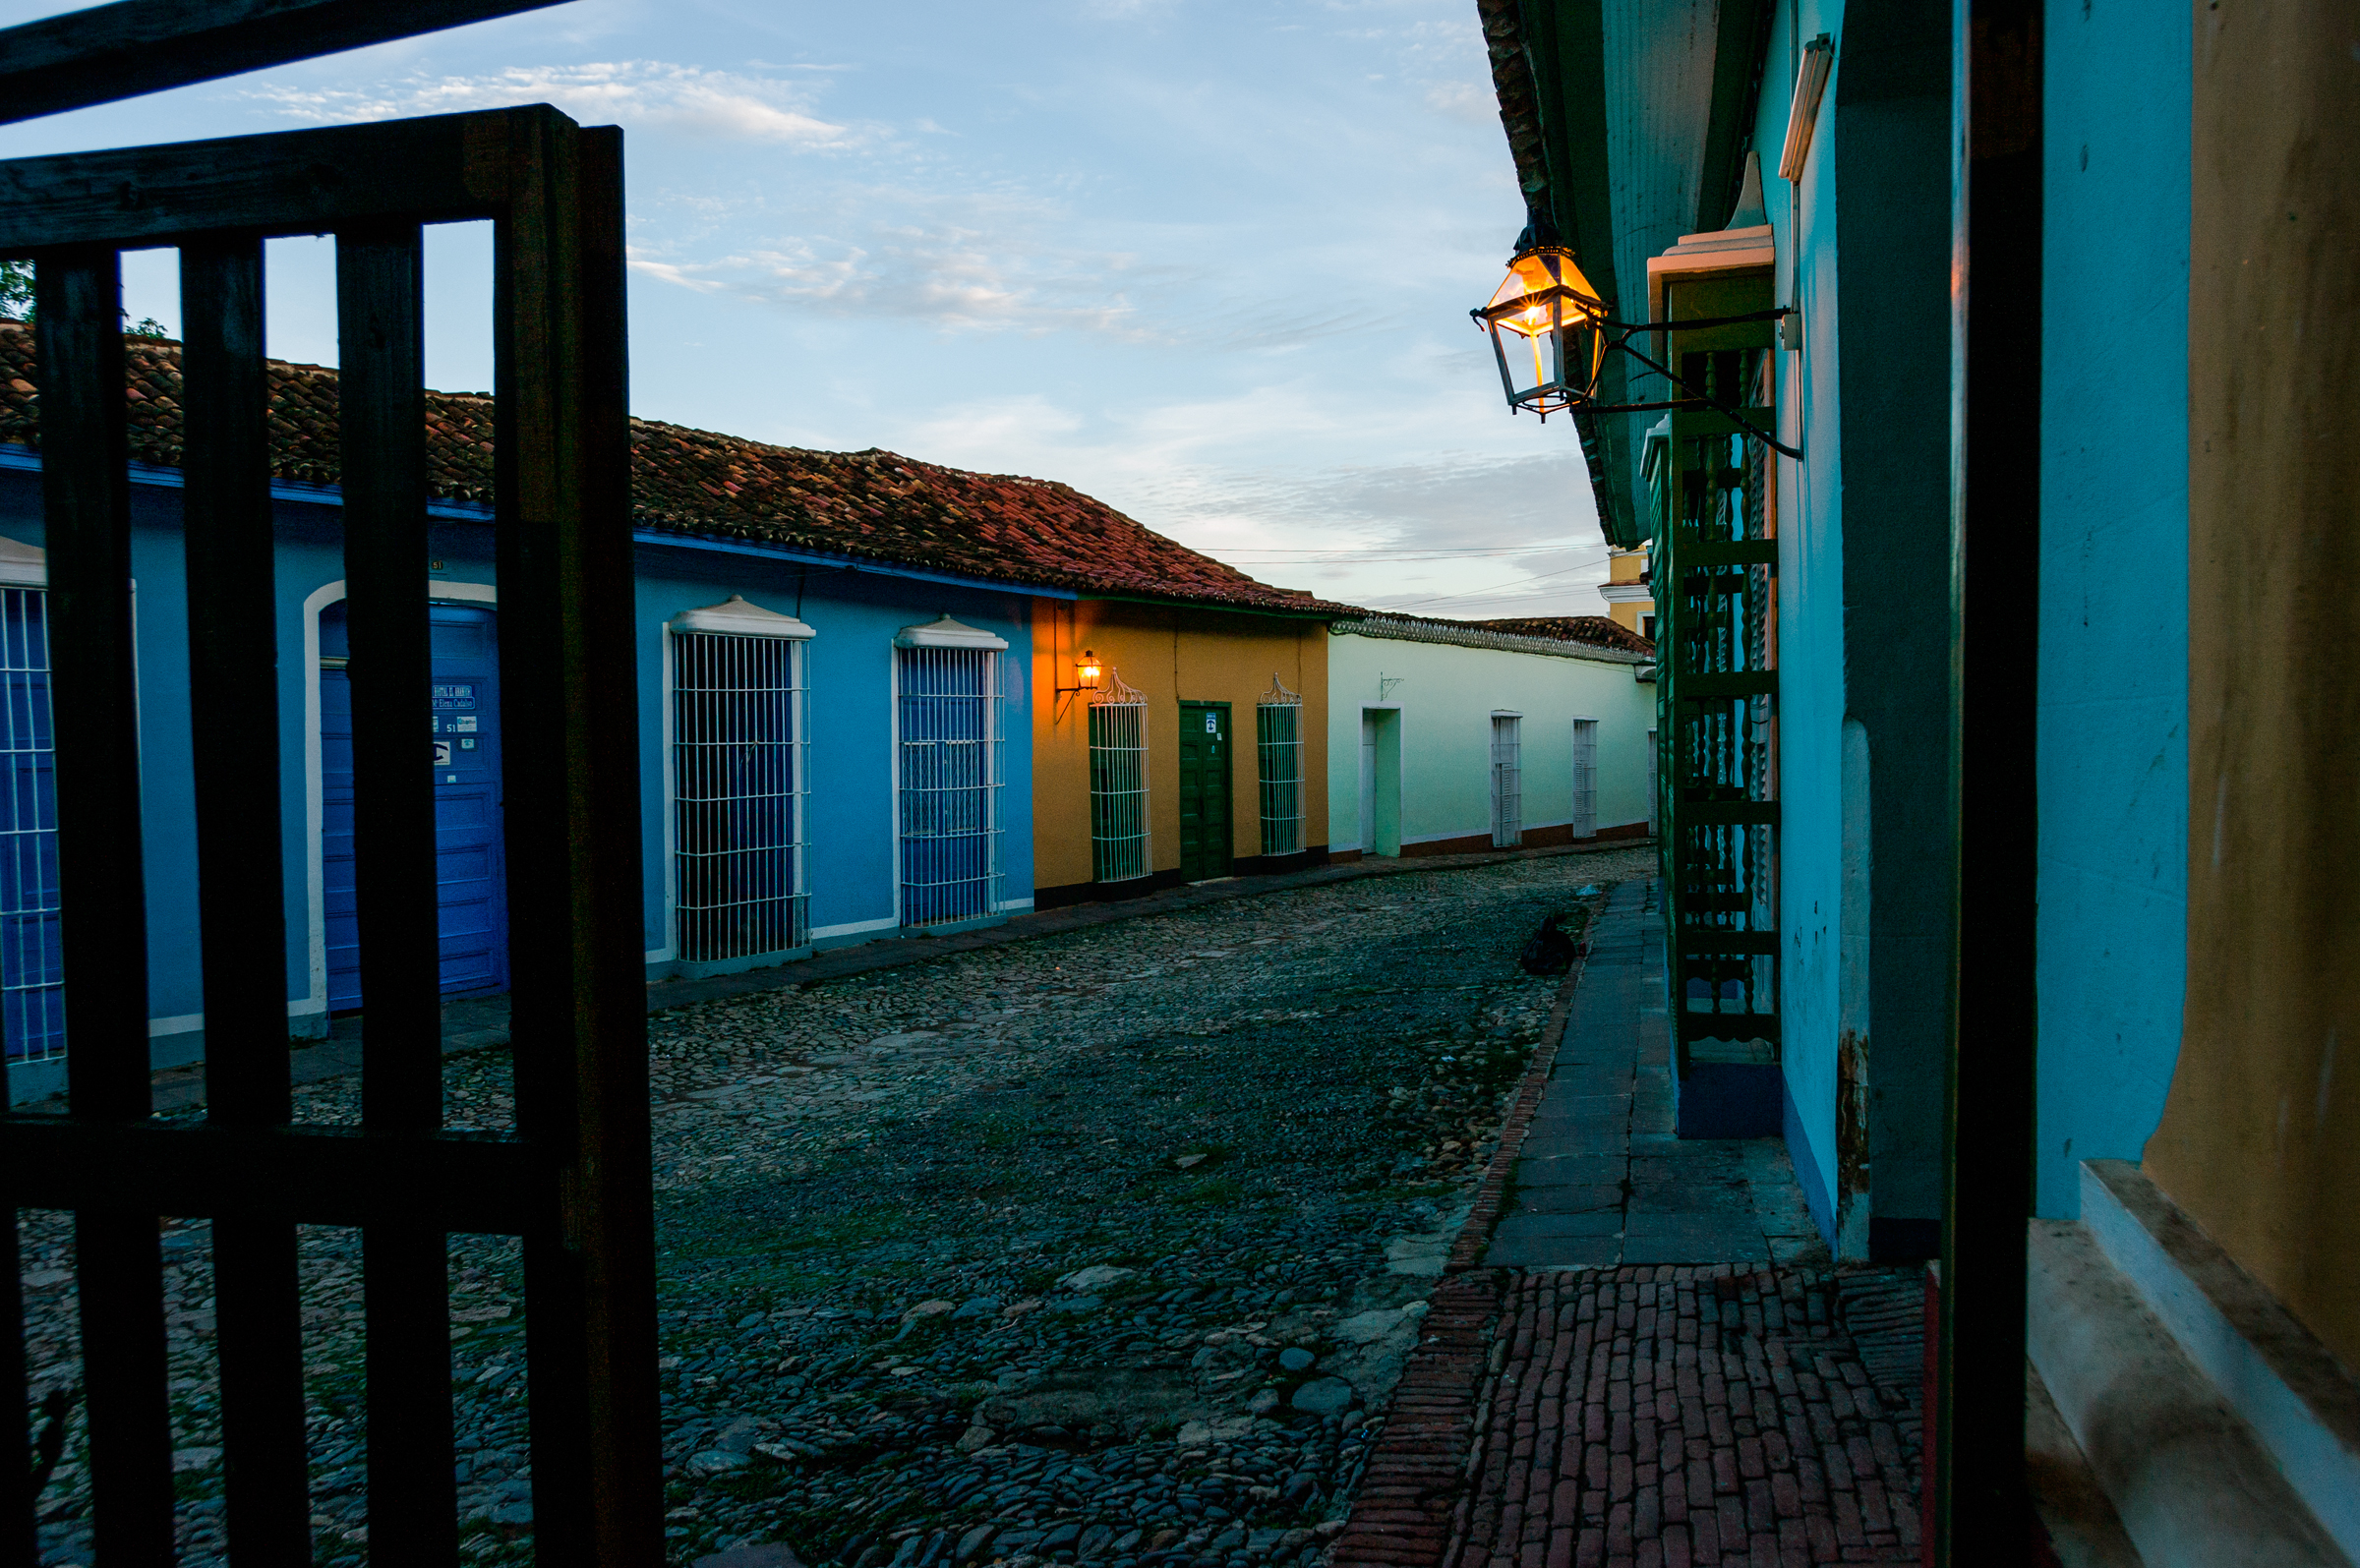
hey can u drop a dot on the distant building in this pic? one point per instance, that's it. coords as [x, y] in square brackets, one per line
[1629, 594]
[1447, 736]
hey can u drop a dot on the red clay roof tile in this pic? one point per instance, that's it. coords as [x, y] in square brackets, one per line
[874, 504]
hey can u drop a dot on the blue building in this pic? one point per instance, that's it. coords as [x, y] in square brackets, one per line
[831, 696]
[1999, 550]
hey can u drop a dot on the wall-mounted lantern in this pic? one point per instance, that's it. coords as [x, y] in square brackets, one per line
[1551, 334]
[1087, 670]
[1545, 322]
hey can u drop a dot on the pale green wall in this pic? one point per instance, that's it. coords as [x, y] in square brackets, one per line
[1446, 695]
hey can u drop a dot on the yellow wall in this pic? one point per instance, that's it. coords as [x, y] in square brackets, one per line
[2260, 1137]
[1629, 566]
[1173, 656]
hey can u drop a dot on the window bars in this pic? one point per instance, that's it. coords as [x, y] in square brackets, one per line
[739, 787]
[1714, 566]
[1585, 777]
[951, 731]
[1118, 780]
[572, 1178]
[33, 1002]
[1507, 782]
[1279, 738]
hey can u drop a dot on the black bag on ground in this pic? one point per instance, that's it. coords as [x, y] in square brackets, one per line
[1550, 951]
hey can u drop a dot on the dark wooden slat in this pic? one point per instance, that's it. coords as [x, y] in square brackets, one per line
[241, 903]
[19, 1532]
[433, 169]
[120, 51]
[413, 1499]
[88, 511]
[579, 1030]
[309, 1175]
[1982, 1511]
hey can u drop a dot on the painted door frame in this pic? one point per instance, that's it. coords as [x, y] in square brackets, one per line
[1390, 720]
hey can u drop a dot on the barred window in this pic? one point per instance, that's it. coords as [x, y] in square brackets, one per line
[1279, 738]
[1507, 782]
[950, 736]
[739, 783]
[33, 994]
[1585, 777]
[1118, 781]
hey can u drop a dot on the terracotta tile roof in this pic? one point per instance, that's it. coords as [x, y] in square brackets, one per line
[873, 505]
[1604, 630]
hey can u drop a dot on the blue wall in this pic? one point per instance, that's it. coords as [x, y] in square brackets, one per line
[2113, 733]
[1810, 621]
[854, 613]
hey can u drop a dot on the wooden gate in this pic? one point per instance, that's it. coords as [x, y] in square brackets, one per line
[571, 1177]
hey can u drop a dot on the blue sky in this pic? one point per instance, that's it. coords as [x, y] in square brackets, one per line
[1209, 261]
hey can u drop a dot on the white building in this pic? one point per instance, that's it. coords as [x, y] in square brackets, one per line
[1449, 737]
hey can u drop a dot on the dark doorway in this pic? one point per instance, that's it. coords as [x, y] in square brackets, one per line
[1206, 819]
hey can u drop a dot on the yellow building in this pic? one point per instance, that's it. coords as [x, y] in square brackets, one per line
[1629, 597]
[1177, 741]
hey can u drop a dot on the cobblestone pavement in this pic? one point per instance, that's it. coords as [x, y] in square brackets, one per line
[1103, 1248]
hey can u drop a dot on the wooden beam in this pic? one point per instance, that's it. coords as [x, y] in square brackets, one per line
[305, 1175]
[140, 46]
[443, 168]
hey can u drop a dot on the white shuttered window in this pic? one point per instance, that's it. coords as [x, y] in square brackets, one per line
[1507, 782]
[1585, 777]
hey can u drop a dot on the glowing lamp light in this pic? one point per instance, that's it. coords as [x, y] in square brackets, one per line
[1545, 321]
[1086, 670]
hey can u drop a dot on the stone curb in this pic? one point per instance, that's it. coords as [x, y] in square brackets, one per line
[1415, 1494]
[1475, 1235]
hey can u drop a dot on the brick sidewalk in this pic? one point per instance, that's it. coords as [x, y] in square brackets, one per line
[1647, 1417]
[1727, 1412]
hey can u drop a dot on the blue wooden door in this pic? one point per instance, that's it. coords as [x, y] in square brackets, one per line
[465, 737]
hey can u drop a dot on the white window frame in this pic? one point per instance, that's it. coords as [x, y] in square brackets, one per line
[921, 722]
[1278, 767]
[751, 638]
[1118, 760]
[1508, 778]
[1585, 777]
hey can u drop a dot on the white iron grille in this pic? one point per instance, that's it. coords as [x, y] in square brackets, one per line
[1507, 784]
[32, 996]
[951, 731]
[737, 796]
[1585, 777]
[1118, 791]
[1278, 733]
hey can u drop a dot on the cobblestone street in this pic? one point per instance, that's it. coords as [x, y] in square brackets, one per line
[1102, 1247]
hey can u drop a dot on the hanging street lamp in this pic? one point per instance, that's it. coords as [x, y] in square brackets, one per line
[1551, 334]
[1546, 320]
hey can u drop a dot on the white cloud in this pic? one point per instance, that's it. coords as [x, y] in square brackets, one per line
[646, 94]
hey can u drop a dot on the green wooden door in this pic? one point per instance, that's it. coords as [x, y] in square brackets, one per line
[1205, 815]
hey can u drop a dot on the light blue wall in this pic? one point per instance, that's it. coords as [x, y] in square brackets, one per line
[854, 614]
[850, 671]
[1810, 617]
[2113, 703]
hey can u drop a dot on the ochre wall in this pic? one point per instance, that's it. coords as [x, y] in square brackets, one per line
[2260, 1137]
[1173, 655]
